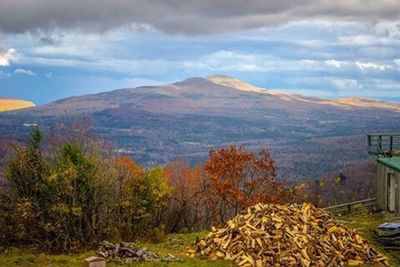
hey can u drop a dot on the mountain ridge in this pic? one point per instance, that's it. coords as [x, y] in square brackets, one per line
[9, 104]
[307, 136]
[233, 83]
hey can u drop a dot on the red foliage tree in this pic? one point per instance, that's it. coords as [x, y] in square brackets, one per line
[242, 178]
[189, 207]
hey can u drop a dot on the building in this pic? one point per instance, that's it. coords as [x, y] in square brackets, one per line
[386, 147]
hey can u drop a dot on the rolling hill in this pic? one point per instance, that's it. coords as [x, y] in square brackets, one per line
[307, 136]
[7, 104]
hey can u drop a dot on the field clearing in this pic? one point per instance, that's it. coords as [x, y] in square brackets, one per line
[175, 244]
[364, 223]
[178, 244]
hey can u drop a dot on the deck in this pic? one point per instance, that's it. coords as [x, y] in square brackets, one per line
[385, 145]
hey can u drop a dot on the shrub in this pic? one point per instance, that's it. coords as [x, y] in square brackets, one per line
[75, 195]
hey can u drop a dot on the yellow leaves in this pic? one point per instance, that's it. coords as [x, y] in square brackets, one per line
[76, 211]
[300, 186]
[52, 178]
[158, 183]
[63, 209]
[25, 208]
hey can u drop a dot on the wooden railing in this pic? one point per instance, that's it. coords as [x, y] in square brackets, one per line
[356, 206]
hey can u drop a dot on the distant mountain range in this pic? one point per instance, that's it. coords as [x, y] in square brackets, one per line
[7, 104]
[307, 136]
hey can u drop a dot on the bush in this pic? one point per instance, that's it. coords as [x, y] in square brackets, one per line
[72, 196]
[65, 193]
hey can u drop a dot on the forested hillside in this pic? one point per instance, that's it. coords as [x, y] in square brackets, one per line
[307, 136]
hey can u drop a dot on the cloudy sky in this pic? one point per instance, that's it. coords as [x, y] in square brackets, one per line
[54, 49]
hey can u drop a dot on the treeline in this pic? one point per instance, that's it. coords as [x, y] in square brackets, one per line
[353, 183]
[67, 190]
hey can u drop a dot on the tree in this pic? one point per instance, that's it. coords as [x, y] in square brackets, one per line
[160, 192]
[134, 200]
[241, 178]
[189, 208]
[27, 169]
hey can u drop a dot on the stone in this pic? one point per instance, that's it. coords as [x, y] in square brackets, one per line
[127, 252]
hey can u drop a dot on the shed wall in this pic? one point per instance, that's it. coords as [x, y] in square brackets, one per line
[382, 187]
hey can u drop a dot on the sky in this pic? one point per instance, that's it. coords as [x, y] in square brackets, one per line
[55, 49]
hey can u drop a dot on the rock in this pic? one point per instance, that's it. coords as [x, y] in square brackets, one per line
[107, 245]
[127, 252]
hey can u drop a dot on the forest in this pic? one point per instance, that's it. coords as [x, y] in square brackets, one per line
[64, 190]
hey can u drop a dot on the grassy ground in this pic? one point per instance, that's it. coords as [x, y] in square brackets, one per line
[364, 223]
[177, 244]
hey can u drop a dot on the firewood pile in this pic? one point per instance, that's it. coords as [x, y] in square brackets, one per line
[287, 235]
[127, 252]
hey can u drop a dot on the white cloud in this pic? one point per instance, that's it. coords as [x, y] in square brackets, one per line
[3, 74]
[389, 28]
[48, 75]
[225, 60]
[368, 65]
[8, 57]
[347, 84]
[363, 66]
[236, 61]
[23, 71]
[334, 63]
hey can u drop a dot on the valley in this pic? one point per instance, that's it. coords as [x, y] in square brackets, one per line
[307, 136]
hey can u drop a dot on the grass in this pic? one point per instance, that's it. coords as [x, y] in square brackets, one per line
[178, 244]
[364, 223]
[175, 244]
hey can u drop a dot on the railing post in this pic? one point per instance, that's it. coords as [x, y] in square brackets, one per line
[391, 144]
[348, 208]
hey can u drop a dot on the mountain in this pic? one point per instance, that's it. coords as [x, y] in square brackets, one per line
[7, 104]
[307, 136]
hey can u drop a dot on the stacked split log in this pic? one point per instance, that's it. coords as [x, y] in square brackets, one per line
[287, 235]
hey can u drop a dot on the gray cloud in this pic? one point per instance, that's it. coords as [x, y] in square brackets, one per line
[183, 16]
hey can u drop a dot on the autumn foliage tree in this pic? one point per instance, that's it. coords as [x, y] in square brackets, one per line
[189, 208]
[141, 195]
[68, 192]
[241, 178]
[65, 195]
[133, 201]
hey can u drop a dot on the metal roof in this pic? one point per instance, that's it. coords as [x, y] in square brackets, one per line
[392, 162]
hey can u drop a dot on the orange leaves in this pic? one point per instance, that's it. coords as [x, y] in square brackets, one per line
[183, 177]
[127, 164]
[242, 177]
